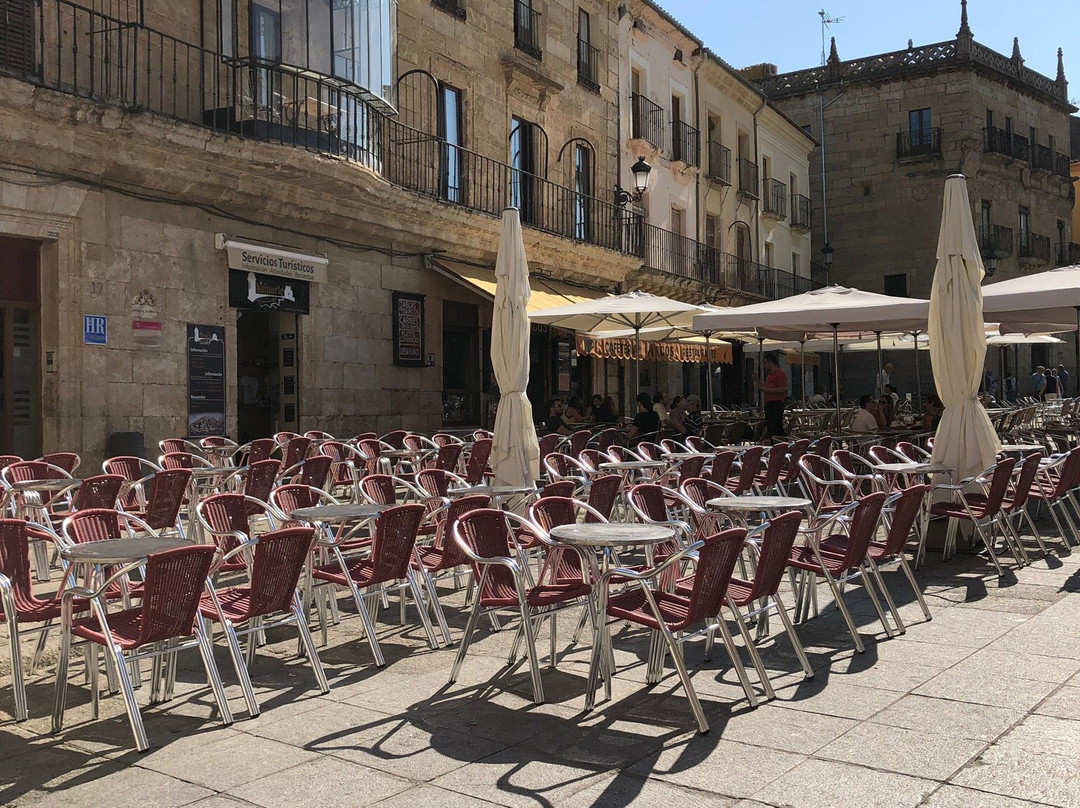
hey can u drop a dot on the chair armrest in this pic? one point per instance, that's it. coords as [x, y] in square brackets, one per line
[687, 553]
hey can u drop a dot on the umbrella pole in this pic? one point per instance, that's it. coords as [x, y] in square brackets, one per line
[802, 369]
[1001, 372]
[761, 369]
[836, 372]
[708, 371]
[918, 379]
[1076, 367]
[880, 366]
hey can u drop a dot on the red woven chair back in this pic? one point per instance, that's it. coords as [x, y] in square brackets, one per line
[578, 441]
[690, 468]
[999, 486]
[547, 445]
[879, 454]
[720, 469]
[216, 440]
[379, 488]
[167, 492]
[395, 439]
[814, 464]
[861, 531]
[606, 439]
[7, 460]
[174, 584]
[318, 435]
[696, 444]
[1070, 472]
[700, 490]
[776, 464]
[131, 469]
[603, 491]
[453, 555]
[293, 497]
[261, 449]
[315, 470]
[371, 450]
[442, 439]
[550, 512]
[434, 482]
[295, 451]
[842, 458]
[279, 559]
[169, 445]
[335, 450]
[395, 536]
[100, 491]
[650, 451]
[225, 513]
[282, 438]
[751, 465]
[26, 470]
[413, 442]
[592, 458]
[648, 499]
[905, 511]
[620, 454]
[447, 457]
[821, 446]
[561, 464]
[260, 479]
[910, 451]
[1029, 469]
[776, 544]
[478, 461]
[96, 524]
[716, 562]
[559, 488]
[15, 562]
[181, 460]
[365, 436]
[68, 461]
[795, 451]
[487, 534]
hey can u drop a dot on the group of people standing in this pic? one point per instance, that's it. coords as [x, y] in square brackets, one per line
[1049, 383]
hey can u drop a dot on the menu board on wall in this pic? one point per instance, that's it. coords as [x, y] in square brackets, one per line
[563, 366]
[206, 380]
[408, 317]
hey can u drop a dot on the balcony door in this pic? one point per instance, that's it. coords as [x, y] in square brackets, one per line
[20, 402]
[265, 48]
[526, 141]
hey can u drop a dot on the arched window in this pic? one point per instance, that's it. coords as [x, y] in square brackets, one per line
[528, 144]
[581, 171]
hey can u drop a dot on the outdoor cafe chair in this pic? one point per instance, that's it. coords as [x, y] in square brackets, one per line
[671, 616]
[648, 450]
[7, 460]
[487, 537]
[548, 444]
[828, 494]
[395, 439]
[745, 470]
[768, 480]
[606, 438]
[23, 611]
[790, 474]
[294, 452]
[282, 438]
[561, 466]
[438, 482]
[133, 470]
[697, 491]
[389, 563]
[604, 493]
[696, 443]
[226, 519]
[161, 511]
[260, 478]
[858, 471]
[318, 435]
[268, 600]
[1054, 486]
[313, 471]
[183, 460]
[858, 523]
[559, 488]
[912, 452]
[590, 460]
[720, 466]
[170, 445]
[476, 465]
[822, 446]
[260, 449]
[68, 461]
[99, 491]
[578, 441]
[673, 446]
[444, 438]
[174, 584]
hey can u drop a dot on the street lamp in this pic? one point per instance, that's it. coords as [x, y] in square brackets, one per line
[990, 263]
[640, 171]
[826, 256]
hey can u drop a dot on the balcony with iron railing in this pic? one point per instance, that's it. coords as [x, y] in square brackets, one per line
[918, 143]
[774, 198]
[1068, 255]
[748, 178]
[1033, 249]
[588, 65]
[801, 212]
[527, 29]
[1042, 158]
[646, 120]
[719, 162]
[1009, 144]
[996, 240]
[685, 143]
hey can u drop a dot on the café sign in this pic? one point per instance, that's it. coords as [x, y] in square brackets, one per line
[249, 257]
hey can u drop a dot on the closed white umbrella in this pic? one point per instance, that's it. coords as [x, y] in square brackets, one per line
[515, 452]
[965, 438]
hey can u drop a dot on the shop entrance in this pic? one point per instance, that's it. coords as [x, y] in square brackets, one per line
[20, 402]
[266, 371]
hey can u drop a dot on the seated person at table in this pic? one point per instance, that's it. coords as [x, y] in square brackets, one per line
[932, 411]
[606, 413]
[594, 407]
[572, 414]
[895, 396]
[646, 422]
[660, 405]
[886, 414]
[676, 414]
[555, 422]
[816, 399]
[693, 422]
[866, 420]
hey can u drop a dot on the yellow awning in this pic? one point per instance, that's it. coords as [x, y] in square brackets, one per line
[546, 293]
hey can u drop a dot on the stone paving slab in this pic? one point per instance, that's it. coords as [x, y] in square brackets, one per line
[978, 707]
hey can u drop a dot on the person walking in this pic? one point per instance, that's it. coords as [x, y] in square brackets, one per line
[1063, 381]
[774, 391]
[1038, 383]
[1051, 392]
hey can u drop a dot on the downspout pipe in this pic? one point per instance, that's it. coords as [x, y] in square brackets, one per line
[757, 201]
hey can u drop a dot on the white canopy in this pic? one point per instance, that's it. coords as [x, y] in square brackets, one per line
[965, 439]
[633, 310]
[1046, 298]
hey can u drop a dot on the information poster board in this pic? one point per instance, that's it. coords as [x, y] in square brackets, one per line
[563, 366]
[206, 380]
[408, 317]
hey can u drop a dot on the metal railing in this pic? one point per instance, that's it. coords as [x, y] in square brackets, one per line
[527, 28]
[1033, 247]
[1010, 144]
[646, 120]
[801, 212]
[719, 162]
[774, 198]
[748, 178]
[1042, 158]
[1067, 254]
[588, 65]
[685, 143]
[996, 239]
[455, 7]
[1061, 164]
[918, 142]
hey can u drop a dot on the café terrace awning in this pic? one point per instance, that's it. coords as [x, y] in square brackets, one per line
[546, 293]
[664, 351]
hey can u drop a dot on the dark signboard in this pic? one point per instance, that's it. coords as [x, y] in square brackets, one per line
[251, 290]
[408, 317]
[206, 380]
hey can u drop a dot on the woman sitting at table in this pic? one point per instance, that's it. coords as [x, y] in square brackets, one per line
[606, 412]
[594, 408]
[572, 414]
[932, 412]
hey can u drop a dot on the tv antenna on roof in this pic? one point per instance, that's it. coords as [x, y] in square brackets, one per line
[826, 20]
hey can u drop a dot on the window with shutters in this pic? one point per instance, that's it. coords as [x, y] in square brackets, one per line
[17, 36]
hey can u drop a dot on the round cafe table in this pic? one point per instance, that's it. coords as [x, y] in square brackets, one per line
[496, 492]
[604, 540]
[684, 455]
[1021, 448]
[759, 504]
[118, 551]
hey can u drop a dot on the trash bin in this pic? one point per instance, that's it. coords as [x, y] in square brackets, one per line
[130, 444]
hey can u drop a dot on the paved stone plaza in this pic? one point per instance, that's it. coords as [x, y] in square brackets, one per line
[978, 708]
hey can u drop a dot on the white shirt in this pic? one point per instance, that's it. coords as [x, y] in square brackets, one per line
[660, 410]
[883, 379]
[865, 421]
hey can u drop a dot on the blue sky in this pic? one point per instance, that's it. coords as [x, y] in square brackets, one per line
[788, 32]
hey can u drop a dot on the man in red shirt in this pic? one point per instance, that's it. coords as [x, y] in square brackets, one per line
[775, 391]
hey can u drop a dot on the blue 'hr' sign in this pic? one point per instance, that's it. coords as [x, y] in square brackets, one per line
[95, 329]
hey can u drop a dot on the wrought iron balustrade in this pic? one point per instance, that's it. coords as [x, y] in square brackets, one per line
[918, 143]
[1010, 144]
[527, 28]
[588, 65]
[685, 140]
[996, 239]
[1033, 247]
[748, 178]
[646, 120]
[774, 198]
[719, 162]
[801, 212]
[1061, 164]
[1042, 158]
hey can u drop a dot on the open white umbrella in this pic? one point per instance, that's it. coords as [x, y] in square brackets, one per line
[634, 310]
[965, 439]
[515, 452]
